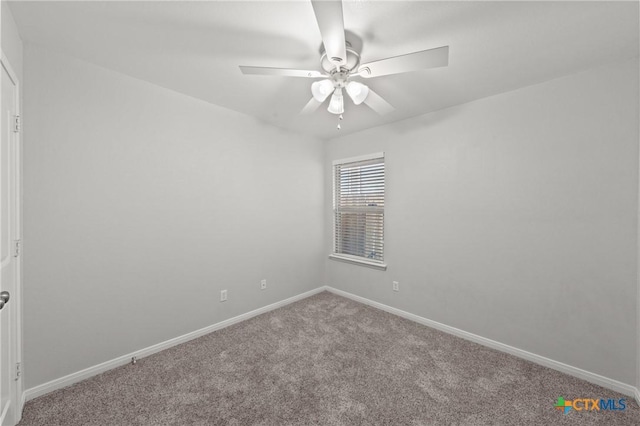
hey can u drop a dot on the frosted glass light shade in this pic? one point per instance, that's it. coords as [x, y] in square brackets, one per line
[321, 89]
[336, 106]
[358, 92]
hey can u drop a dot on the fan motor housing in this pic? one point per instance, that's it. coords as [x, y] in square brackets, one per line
[350, 64]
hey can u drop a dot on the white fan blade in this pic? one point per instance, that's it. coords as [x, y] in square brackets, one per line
[331, 23]
[431, 58]
[310, 107]
[280, 71]
[379, 105]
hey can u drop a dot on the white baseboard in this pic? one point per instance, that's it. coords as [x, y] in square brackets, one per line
[23, 400]
[5, 411]
[538, 359]
[125, 359]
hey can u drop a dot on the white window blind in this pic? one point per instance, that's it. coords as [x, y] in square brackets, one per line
[359, 208]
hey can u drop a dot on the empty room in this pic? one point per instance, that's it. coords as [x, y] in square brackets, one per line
[319, 212]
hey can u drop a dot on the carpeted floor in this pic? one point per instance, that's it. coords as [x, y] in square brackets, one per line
[326, 360]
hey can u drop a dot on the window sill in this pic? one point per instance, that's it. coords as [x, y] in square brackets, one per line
[359, 261]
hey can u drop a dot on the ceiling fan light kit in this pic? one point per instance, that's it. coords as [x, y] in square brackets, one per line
[336, 105]
[340, 62]
[358, 92]
[322, 89]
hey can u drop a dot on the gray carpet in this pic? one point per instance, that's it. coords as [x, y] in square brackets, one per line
[326, 360]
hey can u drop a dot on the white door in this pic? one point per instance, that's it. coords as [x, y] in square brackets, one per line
[9, 246]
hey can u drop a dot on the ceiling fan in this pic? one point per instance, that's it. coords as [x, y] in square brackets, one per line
[340, 62]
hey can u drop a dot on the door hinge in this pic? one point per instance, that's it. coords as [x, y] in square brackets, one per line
[16, 124]
[18, 371]
[18, 244]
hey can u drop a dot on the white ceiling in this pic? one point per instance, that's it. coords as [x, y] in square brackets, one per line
[196, 47]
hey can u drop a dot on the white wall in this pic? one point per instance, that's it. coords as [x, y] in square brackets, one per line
[11, 42]
[141, 204]
[514, 218]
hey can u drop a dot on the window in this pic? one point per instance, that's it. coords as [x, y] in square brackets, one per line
[358, 207]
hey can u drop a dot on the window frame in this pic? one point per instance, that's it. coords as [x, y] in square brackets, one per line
[353, 259]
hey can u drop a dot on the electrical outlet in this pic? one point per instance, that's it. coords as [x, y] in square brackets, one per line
[223, 295]
[263, 284]
[396, 286]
